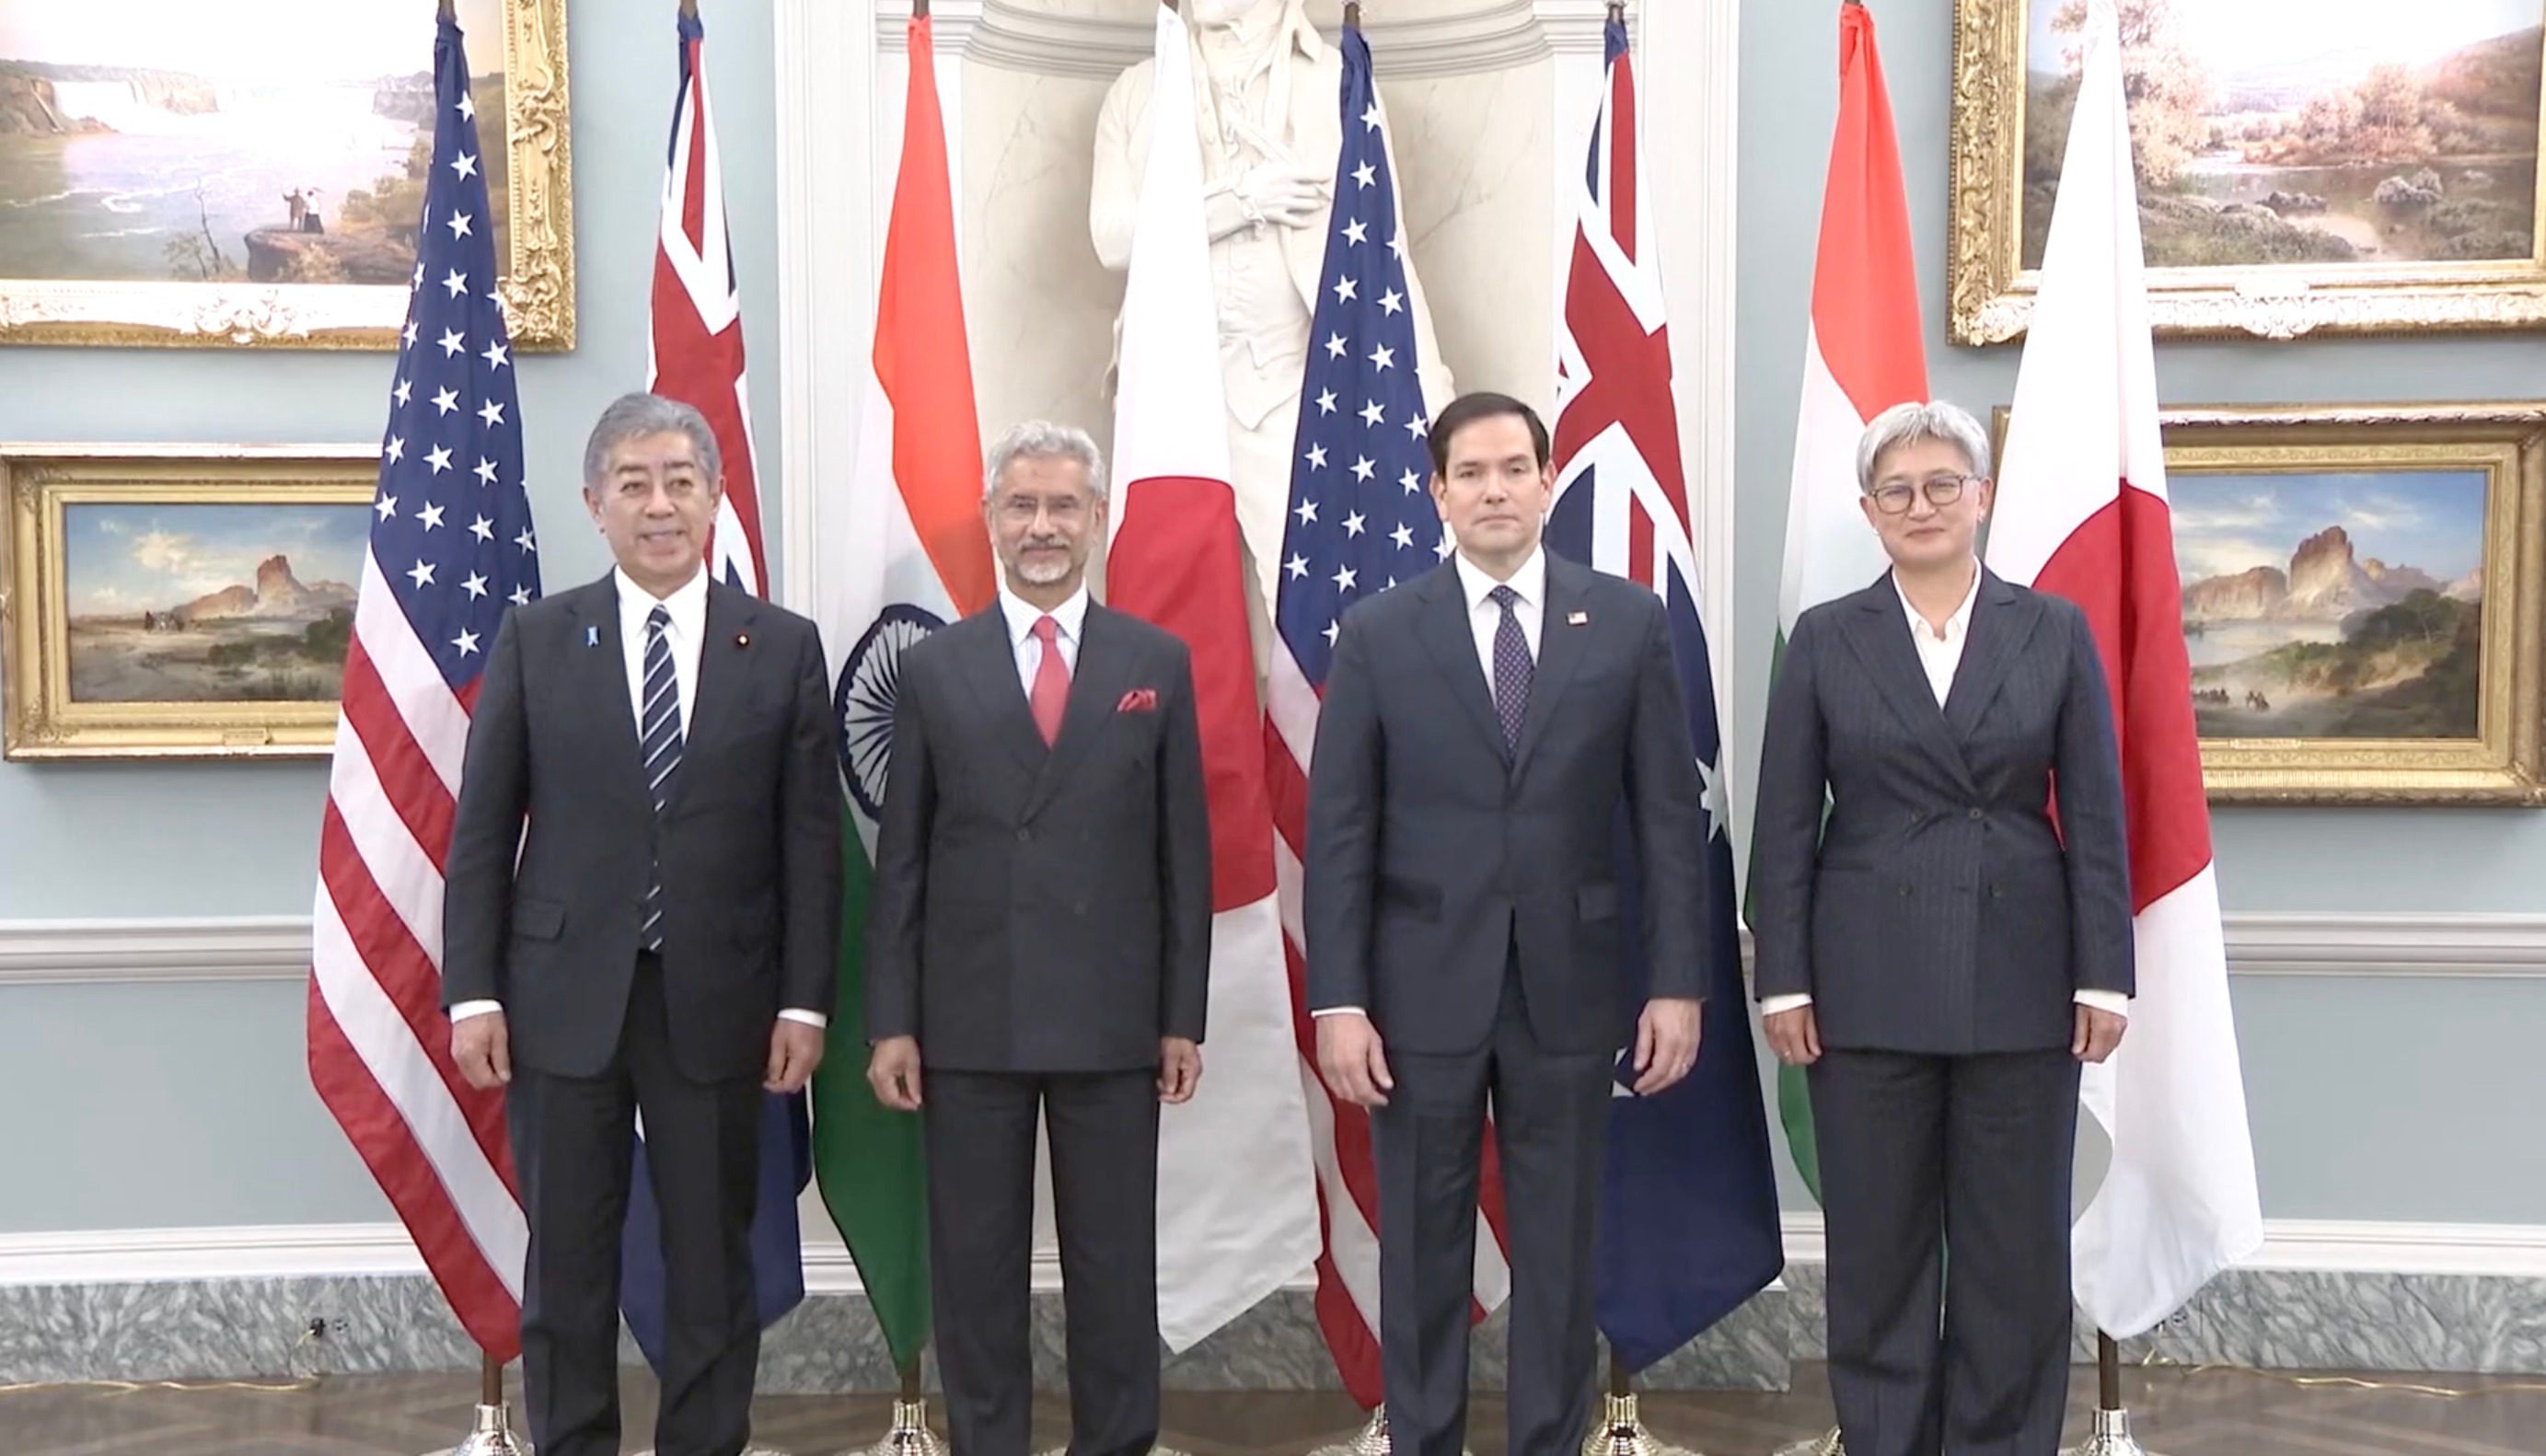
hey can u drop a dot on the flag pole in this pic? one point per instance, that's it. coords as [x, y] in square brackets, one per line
[2112, 1432]
[491, 1432]
[1620, 1429]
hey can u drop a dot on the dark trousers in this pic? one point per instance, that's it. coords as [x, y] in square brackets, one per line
[1931, 1164]
[1551, 1115]
[573, 1139]
[980, 1133]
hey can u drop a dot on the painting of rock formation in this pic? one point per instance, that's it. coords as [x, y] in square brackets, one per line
[211, 603]
[2334, 606]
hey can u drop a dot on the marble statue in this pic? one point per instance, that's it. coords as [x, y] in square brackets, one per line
[1271, 129]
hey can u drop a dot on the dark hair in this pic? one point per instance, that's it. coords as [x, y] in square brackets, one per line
[1483, 405]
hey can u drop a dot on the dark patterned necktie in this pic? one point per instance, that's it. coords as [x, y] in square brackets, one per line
[659, 734]
[1513, 668]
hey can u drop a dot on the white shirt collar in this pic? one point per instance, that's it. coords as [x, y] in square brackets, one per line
[1529, 582]
[688, 603]
[1956, 624]
[1070, 614]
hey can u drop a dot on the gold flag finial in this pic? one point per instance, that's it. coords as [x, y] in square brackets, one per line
[689, 9]
[447, 11]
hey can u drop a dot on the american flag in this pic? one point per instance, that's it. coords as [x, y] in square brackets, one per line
[1688, 1216]
[1361, 521]
[452, 550]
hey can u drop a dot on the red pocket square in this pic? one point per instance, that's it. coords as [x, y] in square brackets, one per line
[1139, 700]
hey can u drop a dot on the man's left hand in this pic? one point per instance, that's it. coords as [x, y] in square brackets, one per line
[2098, 1033]
[1179, 1069]
[1665, 1043]
[795, 1050]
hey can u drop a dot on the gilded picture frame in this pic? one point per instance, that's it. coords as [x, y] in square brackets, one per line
[174, 601]
[2283, 212]
[151, 218]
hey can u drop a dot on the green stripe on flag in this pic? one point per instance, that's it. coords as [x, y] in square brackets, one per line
[1794, 1095]
[865, 1156]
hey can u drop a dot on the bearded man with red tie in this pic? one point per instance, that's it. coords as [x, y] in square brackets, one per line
[1040, 941]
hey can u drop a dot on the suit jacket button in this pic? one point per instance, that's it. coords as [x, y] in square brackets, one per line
[1024, 834]
[1979, 812]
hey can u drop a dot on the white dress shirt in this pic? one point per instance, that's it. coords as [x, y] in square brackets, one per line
[1070, 617]
[1942, 654]
[686, 632]
[1485, 619]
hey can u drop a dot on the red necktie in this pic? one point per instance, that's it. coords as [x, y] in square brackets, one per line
[1050, 696]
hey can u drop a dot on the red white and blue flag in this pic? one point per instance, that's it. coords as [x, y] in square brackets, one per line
[1361, 519]
[451, 550]
[697, 359]
[1688, 1218]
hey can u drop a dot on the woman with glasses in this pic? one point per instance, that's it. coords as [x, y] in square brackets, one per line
[1944, 935]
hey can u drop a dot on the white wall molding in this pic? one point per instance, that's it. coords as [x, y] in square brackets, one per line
[117, 952]
[328, 1250]
[1494, 36]
[2382, 946]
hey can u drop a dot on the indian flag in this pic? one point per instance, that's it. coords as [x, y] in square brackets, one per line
[2083, 513]
[1863, 355]
[915, 558]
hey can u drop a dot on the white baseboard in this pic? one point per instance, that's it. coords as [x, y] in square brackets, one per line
[2332, 1246]
[103, 952]
[322, 1250]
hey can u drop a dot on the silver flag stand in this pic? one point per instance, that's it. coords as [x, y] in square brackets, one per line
[1370, 1440]
[2112, 1432]
[491, 1429]
[1826, 1445]
[909, 1434]
[1620, 1429]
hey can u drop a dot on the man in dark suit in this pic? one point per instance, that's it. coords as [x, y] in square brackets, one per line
[665, 942]
[1040, 939]
[1941, 952]
[1483, 727]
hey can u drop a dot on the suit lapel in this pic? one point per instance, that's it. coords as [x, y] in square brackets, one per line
[1105, 663]
[1443, 626]
[1997, 633]
[989, 661]
[724, 673]
[598, 660]
[1560, 641]
[1878, 632]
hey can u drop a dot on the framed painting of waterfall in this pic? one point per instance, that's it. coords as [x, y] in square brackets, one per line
[180, 601]
[207, 176]
[2362, 600]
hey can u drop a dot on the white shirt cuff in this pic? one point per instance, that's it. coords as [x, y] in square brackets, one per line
[813, 1019]
[467, 1009]
[2106, 1000]
[1339, 1011]
[1793, 1000]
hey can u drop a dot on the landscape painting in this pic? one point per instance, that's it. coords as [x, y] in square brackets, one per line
[2302, 166]
[257, 174]
[211, 603]
[157, 140]
[191, 601]
[2334, 605]
[2345, 132]
[2365, 600]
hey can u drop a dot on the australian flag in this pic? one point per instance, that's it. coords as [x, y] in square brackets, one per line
[1688, 1221]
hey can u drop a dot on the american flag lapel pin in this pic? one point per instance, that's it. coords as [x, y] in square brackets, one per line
[1578, 619]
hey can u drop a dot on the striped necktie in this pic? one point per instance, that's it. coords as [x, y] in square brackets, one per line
[659, 734]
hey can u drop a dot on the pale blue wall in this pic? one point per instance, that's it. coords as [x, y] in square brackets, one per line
[2392, 1098]
[189, 1104]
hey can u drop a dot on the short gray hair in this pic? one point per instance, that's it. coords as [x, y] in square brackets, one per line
[630, 416]
[1908, 424]
[1044, 440]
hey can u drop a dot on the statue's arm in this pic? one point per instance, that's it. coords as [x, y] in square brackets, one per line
[1122, 154]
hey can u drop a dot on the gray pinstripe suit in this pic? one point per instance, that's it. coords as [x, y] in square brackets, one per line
[1943, 923]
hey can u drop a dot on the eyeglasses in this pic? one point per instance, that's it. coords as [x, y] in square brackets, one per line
[1893, 497]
